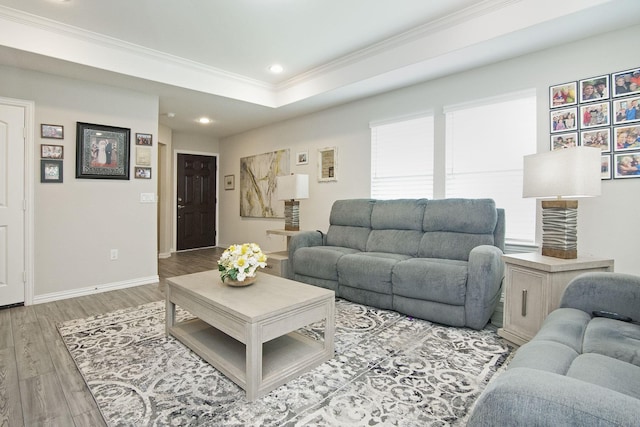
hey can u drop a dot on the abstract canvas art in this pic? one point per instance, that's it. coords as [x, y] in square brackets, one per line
[258, 184]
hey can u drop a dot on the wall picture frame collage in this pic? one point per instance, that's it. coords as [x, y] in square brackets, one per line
[602, 112]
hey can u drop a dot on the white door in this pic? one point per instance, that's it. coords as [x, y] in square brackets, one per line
[12, 199]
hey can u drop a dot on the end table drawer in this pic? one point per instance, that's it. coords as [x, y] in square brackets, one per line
[277, 263]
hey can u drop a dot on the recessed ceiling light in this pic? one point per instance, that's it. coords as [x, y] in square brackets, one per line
[204, 120]
[276, 68]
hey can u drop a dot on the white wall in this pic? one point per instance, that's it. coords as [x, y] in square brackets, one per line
[78, 222]
[602, 230]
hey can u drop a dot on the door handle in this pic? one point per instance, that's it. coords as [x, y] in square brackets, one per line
[180, 207]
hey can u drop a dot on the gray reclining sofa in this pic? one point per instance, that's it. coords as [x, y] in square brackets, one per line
[439, 260]
[579, 369]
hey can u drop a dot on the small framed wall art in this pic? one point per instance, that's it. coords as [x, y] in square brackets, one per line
[50, 170]
[51, 151]
[328, 164]
[229, 182]
[142, 173]
[144, 139]
[302, 158]
[51, 131]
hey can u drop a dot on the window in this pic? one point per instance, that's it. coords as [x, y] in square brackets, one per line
[402, 158]
[485, 144]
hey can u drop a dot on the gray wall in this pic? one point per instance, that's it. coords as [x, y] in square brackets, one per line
[604, 230]
[78, 222]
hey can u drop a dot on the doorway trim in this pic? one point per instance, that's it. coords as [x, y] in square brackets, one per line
[174, 202]
[29, 200]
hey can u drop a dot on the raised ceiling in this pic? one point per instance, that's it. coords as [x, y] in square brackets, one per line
[211, 57]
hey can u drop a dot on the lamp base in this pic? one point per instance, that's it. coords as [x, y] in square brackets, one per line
[292, 215]
[560, 228]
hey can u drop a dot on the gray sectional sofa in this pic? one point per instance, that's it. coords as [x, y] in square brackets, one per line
[439, 260]
[579, 369]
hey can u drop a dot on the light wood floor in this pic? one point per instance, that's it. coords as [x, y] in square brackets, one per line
[39, 383]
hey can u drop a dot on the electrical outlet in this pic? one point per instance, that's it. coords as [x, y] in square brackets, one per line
[114, 254]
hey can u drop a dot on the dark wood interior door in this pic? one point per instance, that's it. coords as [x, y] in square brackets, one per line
[196, 225]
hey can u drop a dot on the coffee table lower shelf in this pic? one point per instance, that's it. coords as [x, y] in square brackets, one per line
[283, 358]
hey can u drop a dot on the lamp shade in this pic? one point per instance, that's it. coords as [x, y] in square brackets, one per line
[294, 186]
[570, 172]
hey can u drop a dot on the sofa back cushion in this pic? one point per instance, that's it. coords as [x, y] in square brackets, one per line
[453, 227]
[396, 226]
[350, 223]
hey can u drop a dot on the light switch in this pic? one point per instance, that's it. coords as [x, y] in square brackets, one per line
[147, 198]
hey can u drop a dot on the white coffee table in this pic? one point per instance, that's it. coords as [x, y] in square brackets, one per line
[248, 333]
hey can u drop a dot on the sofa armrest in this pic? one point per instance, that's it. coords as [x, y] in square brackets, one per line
[615, 292]
[484, 281]
[530, 397]
[303, 240]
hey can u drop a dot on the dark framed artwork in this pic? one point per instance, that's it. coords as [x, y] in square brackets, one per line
[229, 182]
[598, 138]
[50, 170]
[564, 120]
[627, 138]
[51, 131]
[594, 115]
[563, 95]
[142, 173]
[605, 167]
[626, 110]
[594, 89]
[564, 140]
[144, 139]
[626, 82]
[51, 151]
[102, 151]
[627, 165]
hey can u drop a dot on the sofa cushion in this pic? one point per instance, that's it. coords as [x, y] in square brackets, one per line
[404, 242]
[368, 270]
[613, 338]
[350, 223]
[566, 326]
[547, 356]
[455, 226]
[401, 214]
[473, 216]
[607, 372]
[319, 261]
[438, 280]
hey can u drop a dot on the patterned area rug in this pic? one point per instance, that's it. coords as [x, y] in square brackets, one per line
[388, 369]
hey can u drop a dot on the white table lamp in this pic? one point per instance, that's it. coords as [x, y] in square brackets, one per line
[563, 175]
[290, 188]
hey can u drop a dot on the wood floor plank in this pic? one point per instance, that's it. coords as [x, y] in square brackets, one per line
[10, 404]
[75, 390]
[43, 400]
[89, 419]
[31, 351]
[6, 336]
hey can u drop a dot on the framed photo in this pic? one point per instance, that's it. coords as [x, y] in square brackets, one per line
[605, 167]
[50, 170]
[564, 120]
[626, 82]
[627, 138]
[229, 182]
[144, 139]
[594, 115]
[142, 173]
[626, 110]
[594, 89]
[328, 164]
[302, 158]
[563, 95]
[143, 156]
[600, 138]
[564, 140]
[102, 152]
[51, 131]
[51, 151]
[626, 165]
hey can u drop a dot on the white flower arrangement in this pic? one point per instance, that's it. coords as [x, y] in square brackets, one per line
[241, 261]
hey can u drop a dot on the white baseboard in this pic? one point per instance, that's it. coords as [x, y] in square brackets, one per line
[72, 293]
[164, 255]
